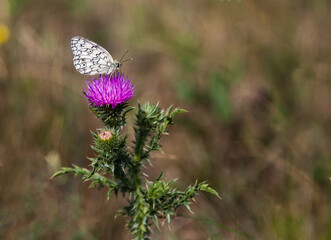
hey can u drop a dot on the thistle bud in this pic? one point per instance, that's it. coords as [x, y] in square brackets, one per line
[106, 135]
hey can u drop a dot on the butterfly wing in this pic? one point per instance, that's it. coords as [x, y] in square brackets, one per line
[90, 58]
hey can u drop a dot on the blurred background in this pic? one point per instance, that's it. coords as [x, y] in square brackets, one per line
[254, 76]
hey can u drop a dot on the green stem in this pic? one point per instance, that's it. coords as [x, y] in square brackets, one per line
[141, 231]
[141, 216]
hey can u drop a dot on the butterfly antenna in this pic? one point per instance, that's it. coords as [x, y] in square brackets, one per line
[124, 55]
[129, 59]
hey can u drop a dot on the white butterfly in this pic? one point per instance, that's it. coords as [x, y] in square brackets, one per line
[91, 59]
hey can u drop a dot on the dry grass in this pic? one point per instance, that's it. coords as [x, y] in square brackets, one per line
[254, 75]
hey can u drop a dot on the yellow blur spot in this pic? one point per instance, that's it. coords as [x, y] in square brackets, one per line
[4, 33]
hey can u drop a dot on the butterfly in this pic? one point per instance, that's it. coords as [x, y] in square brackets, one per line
[92, 59]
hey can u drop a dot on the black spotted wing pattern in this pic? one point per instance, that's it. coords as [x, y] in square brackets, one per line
[90, 58]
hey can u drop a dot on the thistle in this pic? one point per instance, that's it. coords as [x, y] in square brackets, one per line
[109, 90]
[149, 200]
[108, 98]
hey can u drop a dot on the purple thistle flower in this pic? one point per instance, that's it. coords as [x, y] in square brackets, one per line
[110, 90]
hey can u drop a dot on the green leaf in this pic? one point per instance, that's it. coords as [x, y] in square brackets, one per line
[159, 177]
[110, 191]
[206, 188]
[168, 110]
[188, 207]
[63, 171]
[168, 218]
[56, 174]
[177, 111]
[156, 222]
